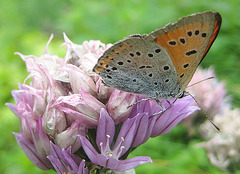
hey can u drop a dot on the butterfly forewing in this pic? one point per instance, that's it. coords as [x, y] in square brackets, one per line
[187, 42]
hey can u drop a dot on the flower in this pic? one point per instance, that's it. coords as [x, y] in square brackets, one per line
[66, 162]
[162, 123]
[134, 131]
[66, 108]
[62, 101]
[33, 150]
[33, 140]
[109, 158]
[223, 148]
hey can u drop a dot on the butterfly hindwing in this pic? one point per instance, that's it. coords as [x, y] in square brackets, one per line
[138, 65]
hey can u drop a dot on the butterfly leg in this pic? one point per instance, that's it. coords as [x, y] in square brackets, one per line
[169, 102]
[163, 108]
[139, 101]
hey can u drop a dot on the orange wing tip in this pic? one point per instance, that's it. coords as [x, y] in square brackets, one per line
[217, 25]
[218, 18]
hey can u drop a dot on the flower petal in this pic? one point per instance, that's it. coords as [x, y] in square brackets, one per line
[13, 108]
[71, 159]
[105, 127]
[173, 115]
[132, 163]
[102, 160]
[31, 152]
[125, 136]
[69, 138]
[40, 139]
[82, 169]
[57, 160]
[89, 149]
[78, 79]
[118, 103]
[77, 108]
[143, 126]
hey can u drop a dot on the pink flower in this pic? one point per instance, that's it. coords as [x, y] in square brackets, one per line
[223, 148]
[64, 99]
[66, 162]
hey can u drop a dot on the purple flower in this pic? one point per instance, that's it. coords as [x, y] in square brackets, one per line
[66, 162]
[109, 157]
[149, 126]
[36, 144]
[134, 132]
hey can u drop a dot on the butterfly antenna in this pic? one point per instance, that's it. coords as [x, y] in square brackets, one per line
[175, 100]
[205, 113]
[201, 81]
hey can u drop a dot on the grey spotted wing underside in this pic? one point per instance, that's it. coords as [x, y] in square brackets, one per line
[138, 65]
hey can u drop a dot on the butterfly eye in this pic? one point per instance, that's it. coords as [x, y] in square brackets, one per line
[181, 95]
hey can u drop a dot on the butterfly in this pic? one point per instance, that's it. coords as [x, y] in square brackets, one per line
[161, 64]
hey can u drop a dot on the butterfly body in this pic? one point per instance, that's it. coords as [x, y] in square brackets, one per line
[161, 64]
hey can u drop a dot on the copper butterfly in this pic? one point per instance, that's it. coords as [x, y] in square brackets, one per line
[161, 64]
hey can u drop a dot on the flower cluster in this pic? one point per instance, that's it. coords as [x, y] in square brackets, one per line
[223, 148]
[72, 122]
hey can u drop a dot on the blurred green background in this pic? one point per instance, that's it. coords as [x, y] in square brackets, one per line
[26, 25]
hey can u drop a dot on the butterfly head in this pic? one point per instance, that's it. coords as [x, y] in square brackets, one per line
[182, 94]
